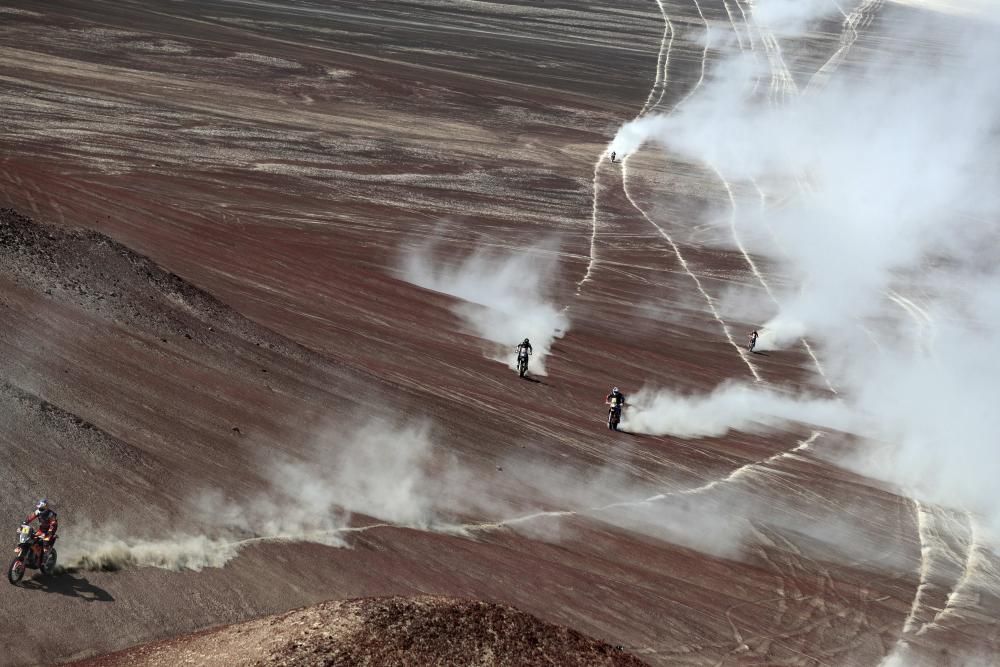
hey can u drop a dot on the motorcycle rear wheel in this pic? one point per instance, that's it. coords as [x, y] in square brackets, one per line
[48, 567]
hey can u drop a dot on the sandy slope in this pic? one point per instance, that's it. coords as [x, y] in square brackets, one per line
[263, 167]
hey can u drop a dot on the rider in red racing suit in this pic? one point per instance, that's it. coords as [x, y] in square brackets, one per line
[47, 523]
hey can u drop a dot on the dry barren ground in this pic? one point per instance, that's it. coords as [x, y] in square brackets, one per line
[204, 304]
[390, 631]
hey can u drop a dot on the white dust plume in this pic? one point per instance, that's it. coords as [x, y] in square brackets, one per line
[506, 297]
[384, 469]
[87, 548]
[881, 215]
[892, 171]
[980, 10]
[791, 16]
[730, 406]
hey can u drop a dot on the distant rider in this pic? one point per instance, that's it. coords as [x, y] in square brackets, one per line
[752, 340]
[612, 156]
[524, 348]
[47, 524]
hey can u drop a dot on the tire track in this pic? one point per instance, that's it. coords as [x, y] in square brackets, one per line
[863, 15]
[924, 534]
[779, 81]
[704, 59]
[760, 276]
[595, 188]
[729, 191]
[970, 565]
[660, 81]
[739, 473]
[232, 548]
[713, 309]
[860, 17]
[662, 62]
[697, 281]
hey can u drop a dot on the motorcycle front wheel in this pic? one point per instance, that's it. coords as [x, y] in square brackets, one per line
[16, 571]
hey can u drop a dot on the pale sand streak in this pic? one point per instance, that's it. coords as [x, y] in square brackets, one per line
[729, 13]
[923, 533]
[593, 225]
[848, 35]
[662, 61]
[753, 47]
[739, 243]
[863, 14]
[921, 514]
[662, 64]
[970, 565]
[687, 269]
[677, 252]
[704, 59]
[742, 471]
[489, 526]
[805, 341]
[758, 274]
[666, 60]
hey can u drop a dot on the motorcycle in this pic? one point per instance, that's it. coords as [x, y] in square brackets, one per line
[522, 363]
[751, 343]
[614, 414]
[29, 554]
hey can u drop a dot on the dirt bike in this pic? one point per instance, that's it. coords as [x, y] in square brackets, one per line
[751, 344]
[522, 363]
[614, 414]
[29, 554]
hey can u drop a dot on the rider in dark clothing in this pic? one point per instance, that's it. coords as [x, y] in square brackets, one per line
[47, 523]
[615, 399]
[526, 346]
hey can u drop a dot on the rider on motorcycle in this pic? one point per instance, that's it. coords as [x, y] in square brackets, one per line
[47, 524]
[525, 346]
[616, 399]
[752, 340]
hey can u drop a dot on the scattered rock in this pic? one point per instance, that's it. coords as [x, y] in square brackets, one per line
[418, 631]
